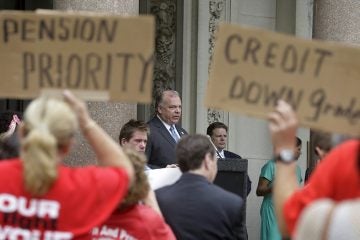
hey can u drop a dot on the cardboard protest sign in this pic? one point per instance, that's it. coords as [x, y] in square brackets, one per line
[105, 57]
[253, 68]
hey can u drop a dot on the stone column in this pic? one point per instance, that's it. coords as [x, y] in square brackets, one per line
[337, 20]
[210, 14]
[110, 116]
[304, 18]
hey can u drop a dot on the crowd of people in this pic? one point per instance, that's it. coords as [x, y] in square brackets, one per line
[41, 198]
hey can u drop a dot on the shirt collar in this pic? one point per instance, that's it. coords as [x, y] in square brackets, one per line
[222, 154]
[167, 126]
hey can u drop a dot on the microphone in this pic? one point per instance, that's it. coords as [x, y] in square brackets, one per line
[217, 152]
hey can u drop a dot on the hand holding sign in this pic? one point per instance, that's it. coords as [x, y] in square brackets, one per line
[253, 69]
[283, 125]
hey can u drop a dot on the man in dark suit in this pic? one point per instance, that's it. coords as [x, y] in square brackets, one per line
[217, 131]
[164, 131]
[194, 207]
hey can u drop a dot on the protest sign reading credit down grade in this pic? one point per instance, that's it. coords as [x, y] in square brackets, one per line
[253, 68]
[109, 56]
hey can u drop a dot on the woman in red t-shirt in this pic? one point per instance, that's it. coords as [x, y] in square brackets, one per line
[138, 215]
[42, 199]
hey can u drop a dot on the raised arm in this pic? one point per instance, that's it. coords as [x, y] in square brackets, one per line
[283, 126]
[107, 151]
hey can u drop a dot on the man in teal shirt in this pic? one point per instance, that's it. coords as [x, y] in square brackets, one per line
[269, 227]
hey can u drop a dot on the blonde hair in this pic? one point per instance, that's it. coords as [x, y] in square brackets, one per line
[49, 124]
[140, 187]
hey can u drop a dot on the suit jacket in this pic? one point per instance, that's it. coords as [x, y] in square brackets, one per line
[160, 148]
[197, 209]
[229, 154]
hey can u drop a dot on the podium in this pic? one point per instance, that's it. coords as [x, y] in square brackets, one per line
[232, 176]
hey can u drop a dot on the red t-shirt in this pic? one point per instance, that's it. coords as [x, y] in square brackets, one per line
[80, 199]
[137, 222]
[337, 177]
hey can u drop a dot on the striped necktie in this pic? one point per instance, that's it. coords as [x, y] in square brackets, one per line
[173, 133]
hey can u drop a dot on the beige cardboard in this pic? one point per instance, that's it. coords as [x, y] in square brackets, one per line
[105, 57]
[252, 68]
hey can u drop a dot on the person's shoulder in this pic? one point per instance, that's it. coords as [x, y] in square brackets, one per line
[230, 154]
[153, 120]
[156, 227]
[173, 190]
[269, 163]
[179, 127]
[155, 124]
[350, 145]
[10, 162]
[148, 214]
[167, 196]
[224, 194]
[348, 150]
[163, 190]
[229, 199]
[268, 167]
[7, 165]
[96, 176]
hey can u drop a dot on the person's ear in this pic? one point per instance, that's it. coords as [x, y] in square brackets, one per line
[319, 152]
[207, 161]
[123, 142]
[159, 110]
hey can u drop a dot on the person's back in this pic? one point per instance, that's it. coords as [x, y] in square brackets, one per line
[42, 199]
[71, 205]
[196, 208]
[193, 206]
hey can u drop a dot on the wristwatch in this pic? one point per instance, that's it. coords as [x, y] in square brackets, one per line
[286, 156]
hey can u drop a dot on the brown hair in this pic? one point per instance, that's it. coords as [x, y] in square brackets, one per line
[191, 150]
[322, 140]
[215, 125]
[130, 127]
[140, 187]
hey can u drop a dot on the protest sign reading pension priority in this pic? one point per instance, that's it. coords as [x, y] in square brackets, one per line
[103, 56]
[253, 68]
